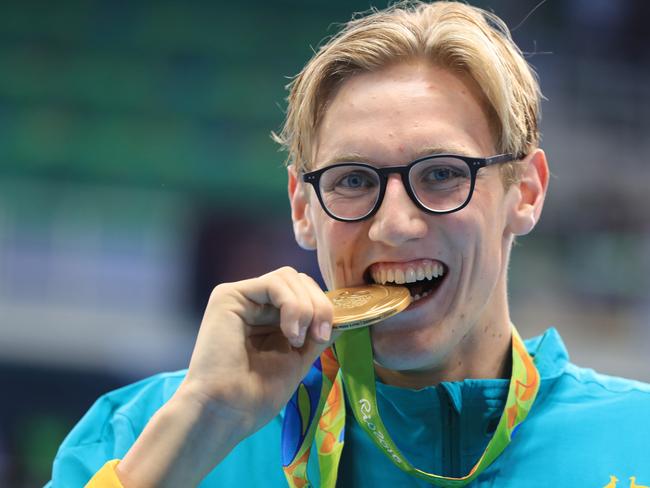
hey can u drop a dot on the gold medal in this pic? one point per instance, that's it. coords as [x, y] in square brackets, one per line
[361, 306]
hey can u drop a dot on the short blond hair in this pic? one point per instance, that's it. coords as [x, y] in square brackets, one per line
[450, 34]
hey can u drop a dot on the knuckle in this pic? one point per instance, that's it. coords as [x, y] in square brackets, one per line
[306, 312]
[306, 309]
[326, 307]
[219, 291]
[323, 303]
[291, 311]
[308, 279]
[325, 317]
[287, 270]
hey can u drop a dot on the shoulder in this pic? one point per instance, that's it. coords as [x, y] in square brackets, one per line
[564, 383]
[133, 404]
[116, 419]
[110, 427]
[622, 402]
[590, 388]
[607, 385]
[594, 404]
[581, 415]
[583, 428]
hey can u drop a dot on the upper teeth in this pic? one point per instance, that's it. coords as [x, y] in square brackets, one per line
[409, 274]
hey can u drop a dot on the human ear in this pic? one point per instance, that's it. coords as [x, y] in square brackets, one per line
[303, 228]
[529, 192]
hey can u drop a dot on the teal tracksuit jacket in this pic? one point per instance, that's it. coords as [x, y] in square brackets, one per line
[585, 430]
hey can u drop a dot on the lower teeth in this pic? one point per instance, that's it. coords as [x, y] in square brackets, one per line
[417, 297]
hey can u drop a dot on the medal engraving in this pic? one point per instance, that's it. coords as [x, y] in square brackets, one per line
[362, 306]
[352, 299]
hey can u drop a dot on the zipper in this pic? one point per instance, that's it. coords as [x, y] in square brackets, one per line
[451, 435]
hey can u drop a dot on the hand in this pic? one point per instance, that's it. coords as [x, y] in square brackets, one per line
[257, 340]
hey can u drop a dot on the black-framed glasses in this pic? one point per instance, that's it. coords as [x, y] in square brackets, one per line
[437, 184]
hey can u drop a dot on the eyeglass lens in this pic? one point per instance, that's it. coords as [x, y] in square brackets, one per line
[440, 184]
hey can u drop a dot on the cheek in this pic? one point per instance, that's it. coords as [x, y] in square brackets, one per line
[338, 246]
[474, 238]
[480, 238]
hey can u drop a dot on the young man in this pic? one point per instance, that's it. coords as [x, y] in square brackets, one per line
[414, 158]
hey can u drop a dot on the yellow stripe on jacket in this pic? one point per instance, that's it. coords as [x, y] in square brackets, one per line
[106, 477]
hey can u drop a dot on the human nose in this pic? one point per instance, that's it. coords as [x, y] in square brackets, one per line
[398, 220]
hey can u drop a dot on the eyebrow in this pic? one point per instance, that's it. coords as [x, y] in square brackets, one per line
[425, 151]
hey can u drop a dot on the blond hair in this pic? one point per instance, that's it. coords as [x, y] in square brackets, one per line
[449, 34]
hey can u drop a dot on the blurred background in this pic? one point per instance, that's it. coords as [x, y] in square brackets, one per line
[137, 171]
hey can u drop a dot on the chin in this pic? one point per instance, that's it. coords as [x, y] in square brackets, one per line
[404, 347]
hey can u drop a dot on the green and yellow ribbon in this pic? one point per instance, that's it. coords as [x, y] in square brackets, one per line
[316, 412]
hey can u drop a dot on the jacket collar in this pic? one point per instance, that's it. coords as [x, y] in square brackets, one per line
[549, 354]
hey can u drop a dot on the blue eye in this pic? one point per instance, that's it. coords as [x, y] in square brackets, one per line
[441, 174]
[349, 180]
[444, 174]
[354, 180]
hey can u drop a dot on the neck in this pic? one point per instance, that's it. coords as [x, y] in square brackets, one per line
[483, 352]
[486, 357]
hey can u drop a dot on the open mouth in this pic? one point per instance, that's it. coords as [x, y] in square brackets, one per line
[421, 277]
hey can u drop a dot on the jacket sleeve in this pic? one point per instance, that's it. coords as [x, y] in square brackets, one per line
[100, 436]
[112, 425]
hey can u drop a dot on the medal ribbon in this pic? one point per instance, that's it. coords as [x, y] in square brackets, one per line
[320, 396]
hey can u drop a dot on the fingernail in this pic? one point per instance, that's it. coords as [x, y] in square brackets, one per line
[301, 336]
[293, 335]
[325, 331]
[295, 331]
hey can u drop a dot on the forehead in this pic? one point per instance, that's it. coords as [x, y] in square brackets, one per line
[401, 112]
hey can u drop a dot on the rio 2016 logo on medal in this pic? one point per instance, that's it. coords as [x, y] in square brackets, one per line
[352, 299]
